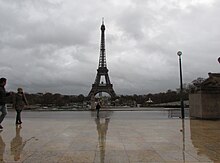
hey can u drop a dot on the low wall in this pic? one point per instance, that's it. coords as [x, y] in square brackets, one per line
[205, 105]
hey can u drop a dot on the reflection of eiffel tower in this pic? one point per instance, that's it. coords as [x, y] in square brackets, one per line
[102, 128]
[100, 86]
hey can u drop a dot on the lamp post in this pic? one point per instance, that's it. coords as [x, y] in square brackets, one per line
[179, 53]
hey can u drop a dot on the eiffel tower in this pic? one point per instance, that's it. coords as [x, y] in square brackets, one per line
[100, 86]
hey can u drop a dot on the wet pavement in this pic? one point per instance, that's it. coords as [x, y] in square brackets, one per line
[113, 137]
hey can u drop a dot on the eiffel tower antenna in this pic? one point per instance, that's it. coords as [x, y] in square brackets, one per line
[102, 20]
[100, 86]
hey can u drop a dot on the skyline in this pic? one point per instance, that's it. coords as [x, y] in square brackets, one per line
[54, 46]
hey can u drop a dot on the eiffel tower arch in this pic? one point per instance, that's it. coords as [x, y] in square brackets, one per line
[102, 71]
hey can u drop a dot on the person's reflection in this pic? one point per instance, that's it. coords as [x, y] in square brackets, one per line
[17, 144]
[2, 149]
[102, 127]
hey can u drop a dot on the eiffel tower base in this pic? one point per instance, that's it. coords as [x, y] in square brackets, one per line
[102, 88]
[92, 102]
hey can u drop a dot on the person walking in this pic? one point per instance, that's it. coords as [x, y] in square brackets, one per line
[98, 106]
[3, 95]
[19, 102]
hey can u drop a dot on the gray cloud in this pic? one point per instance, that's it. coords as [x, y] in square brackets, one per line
[53, 46]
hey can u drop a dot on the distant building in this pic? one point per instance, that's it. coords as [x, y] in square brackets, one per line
[149, 101]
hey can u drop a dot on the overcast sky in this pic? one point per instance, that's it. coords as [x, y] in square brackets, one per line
[54, 45]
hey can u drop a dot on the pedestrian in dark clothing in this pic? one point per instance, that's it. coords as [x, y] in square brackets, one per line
[3, 95]
[19, 102]
[98, 106]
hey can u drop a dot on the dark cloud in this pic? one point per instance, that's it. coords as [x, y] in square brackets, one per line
[53, 45]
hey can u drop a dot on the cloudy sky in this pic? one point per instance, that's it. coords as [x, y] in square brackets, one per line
[54, 45]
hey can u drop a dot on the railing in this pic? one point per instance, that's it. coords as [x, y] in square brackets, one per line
[176, 112]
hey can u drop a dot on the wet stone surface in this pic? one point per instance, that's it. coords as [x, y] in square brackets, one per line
[113, 137]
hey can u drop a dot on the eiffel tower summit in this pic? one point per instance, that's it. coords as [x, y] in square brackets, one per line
[102, 71]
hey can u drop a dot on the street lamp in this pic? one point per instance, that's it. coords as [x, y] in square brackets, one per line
[179, 53]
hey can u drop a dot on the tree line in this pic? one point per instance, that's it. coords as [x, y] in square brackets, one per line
[157, 98]
[46, 99]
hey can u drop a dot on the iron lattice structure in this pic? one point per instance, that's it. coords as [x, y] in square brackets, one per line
[102, 86]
